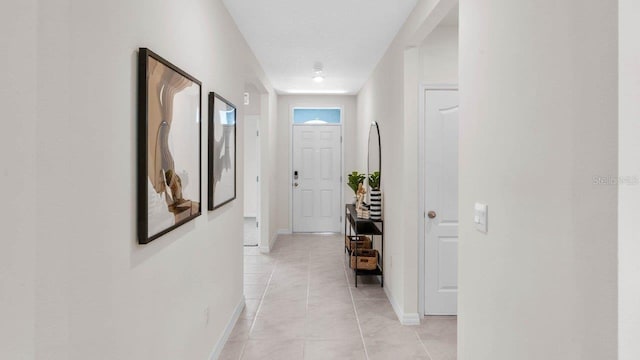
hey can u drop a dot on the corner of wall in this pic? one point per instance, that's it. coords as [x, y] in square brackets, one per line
[411, 165]
[217, 350]
[272, 241]
[404, 318]
[629, 190]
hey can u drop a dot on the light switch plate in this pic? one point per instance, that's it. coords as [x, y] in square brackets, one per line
[480, 217]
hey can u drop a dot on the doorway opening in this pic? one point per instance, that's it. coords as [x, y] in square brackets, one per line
[439, 159]
[438, 134]
[251, 136]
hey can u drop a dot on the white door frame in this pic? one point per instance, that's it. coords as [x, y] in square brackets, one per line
[290, 174]
[264, 238]
[421, 184]
[259, 179]
[257, 155]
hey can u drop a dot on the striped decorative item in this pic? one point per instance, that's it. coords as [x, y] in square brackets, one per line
[375, 205]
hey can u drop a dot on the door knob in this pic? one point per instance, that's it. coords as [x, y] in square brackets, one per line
[431, 214]
[295, 184]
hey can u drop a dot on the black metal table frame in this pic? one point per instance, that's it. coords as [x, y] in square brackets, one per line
[355, 226]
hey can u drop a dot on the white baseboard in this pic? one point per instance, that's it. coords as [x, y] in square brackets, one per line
[217, 350]
[404, 318]
[272, 242]
[266, 248]
[412, 319]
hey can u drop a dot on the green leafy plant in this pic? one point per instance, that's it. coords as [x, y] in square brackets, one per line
[355, 179]
[374, 180]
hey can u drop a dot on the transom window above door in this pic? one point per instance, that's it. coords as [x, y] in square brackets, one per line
[317, 116]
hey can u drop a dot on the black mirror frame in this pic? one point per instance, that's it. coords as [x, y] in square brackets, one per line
[374, 125]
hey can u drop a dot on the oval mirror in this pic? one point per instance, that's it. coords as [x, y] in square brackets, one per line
[374, 157]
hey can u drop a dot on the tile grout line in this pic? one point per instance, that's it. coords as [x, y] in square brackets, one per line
[253, 321]
[266, 288]
[353, 303]
[244, 343]
[424, 346]
[244, 346]
[306, 309]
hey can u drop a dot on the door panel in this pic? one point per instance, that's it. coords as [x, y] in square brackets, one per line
[307, 203]
[448, 254]
[316, 198]
[441, 197]
[307, 163]
[326, 162]
[325, 202]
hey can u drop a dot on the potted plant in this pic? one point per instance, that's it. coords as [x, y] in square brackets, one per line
[375, 196]
[374, 180]
[354, 180]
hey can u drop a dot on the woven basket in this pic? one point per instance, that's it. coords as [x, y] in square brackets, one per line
[359, 242]
[367, 259]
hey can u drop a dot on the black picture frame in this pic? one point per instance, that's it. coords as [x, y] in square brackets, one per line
[169, 169]
[221, 155]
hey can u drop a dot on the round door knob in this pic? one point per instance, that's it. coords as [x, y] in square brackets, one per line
[295, 184]
[431, 214]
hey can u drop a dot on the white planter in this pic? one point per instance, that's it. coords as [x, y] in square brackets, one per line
[375, 205]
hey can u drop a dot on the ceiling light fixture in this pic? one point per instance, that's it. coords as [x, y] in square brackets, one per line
[318, 73]
[313, 92]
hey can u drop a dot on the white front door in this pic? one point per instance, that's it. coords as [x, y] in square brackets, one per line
[316, 178]
[441, 202]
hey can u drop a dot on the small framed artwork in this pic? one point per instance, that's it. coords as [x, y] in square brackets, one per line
[222, 151]
[169, 130]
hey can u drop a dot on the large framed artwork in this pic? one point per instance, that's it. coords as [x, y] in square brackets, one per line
[222, 151]
[169, 130]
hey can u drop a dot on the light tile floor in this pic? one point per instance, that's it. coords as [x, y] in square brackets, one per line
[301, 304]
[250, 232]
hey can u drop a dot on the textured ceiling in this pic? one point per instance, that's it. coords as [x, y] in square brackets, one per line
[348, 36]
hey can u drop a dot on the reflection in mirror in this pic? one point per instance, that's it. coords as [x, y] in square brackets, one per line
[374, 168]
[373, 157]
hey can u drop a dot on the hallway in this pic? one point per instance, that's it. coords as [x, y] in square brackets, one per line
[301, 304]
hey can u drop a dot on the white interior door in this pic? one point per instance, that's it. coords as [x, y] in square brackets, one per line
[441, 202]
[316, 190]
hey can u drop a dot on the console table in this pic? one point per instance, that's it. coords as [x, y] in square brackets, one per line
[374, 228]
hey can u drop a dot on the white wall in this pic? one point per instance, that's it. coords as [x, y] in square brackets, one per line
[250, 165]
[18, 36]
[417, 55]
[286, 104]
[269, 167]
[538, 109]
[629, 193]
[439, 56]
[255, 100]
[80, 286]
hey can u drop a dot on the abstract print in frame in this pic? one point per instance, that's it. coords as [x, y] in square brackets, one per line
[222, 151]
[169, 128]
